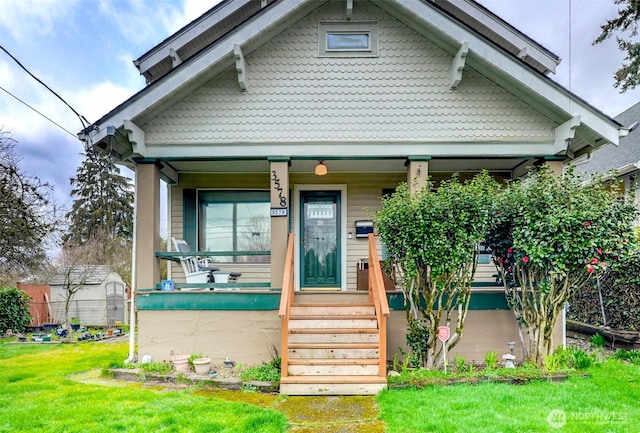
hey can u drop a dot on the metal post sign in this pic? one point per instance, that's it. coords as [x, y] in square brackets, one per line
[443, 333]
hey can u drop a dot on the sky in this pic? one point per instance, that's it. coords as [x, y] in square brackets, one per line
[83, 50]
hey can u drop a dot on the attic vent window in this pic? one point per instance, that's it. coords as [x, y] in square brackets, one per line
[348, 39]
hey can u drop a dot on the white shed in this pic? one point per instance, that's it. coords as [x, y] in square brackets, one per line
[99, 301]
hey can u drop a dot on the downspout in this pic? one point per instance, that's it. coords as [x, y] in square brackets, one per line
[132, 313]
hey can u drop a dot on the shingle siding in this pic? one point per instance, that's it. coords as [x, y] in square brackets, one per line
[295, 96]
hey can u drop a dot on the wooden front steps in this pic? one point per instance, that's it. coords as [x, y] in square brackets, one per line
[333, 349]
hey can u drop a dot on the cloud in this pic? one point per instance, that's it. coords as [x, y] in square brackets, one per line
[191, 9]
[24, 18]
[152, 19]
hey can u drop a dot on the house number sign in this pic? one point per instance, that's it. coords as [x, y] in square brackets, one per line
[281, 198]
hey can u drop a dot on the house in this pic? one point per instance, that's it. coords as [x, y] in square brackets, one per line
[292, 116]
[99, 297]
[623, 159]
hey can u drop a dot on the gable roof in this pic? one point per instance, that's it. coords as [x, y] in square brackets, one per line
[87, 275]
[624, 158]
[228, 14]
[438, 20]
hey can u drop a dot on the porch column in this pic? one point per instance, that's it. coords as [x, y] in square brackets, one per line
[417, 172]
[556, 166]
[279, 182]
[147, 226]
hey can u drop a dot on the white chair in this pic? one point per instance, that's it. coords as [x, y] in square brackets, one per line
[196, 270]
[201, 269]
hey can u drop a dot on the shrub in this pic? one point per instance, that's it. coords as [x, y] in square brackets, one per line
[549, 237]
[597, 341]
[268, 372]
[14, 310]
[633, 356]
[620, 289]
[432, 238]
[491, 359]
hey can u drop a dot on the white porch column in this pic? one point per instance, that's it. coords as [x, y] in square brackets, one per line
[147, 226]
[279, 185]
[417, 172]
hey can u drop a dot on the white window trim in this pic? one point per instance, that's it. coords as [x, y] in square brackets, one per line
[370, 28]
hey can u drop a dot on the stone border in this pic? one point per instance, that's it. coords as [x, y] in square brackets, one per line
[137, 375]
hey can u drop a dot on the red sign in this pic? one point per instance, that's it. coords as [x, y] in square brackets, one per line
[443, 333]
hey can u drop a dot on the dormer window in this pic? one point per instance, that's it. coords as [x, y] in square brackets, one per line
[348, 39]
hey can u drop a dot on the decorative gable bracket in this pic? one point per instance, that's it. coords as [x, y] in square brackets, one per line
[241, 67]
[457, 65]
[564, 133]
[135, 136]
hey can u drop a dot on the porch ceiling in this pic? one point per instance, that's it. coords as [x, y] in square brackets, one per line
[349, 166]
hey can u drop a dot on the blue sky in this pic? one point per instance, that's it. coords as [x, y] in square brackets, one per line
[83, 49]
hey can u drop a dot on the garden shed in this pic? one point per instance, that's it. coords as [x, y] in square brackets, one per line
[100, 299]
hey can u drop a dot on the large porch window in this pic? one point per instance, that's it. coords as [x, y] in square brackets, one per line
[235, 221]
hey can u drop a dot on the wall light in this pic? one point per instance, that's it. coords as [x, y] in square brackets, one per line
[321, 169]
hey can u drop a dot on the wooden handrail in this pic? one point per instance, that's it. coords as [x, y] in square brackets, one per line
[286, 299]
[378, 295]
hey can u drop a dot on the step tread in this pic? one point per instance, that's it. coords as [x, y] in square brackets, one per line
[334, 331]
[332, 361]
[329, 304]
[332, 317]
[333, 346]
[333, 379]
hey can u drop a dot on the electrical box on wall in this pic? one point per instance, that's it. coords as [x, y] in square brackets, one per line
[363, 228]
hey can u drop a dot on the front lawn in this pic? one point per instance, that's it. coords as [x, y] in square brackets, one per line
[42, 390]
[607, 401]
[39, 394]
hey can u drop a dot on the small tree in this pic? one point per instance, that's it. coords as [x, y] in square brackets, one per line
[432, 238]
[73, 266]
[23, 215]
[14, 310]
[549, 234]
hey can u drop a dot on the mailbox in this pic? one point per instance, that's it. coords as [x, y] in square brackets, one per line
[363, 228]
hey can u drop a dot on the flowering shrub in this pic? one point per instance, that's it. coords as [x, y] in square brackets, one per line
[432, 239]
[549, 235]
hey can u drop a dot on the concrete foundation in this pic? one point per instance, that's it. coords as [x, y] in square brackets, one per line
[250, 337]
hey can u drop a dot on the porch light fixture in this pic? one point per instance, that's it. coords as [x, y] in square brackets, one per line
[321, 169]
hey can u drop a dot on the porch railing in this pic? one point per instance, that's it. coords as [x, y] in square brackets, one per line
[378, 296]
[286, 299]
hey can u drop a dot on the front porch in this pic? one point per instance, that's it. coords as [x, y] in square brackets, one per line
[330, 342]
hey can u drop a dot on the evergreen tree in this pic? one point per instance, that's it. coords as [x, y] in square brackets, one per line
[628, 76]
[103, 206]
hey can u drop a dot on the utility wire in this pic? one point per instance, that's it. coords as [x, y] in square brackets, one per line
[83, 121]
[41, 114]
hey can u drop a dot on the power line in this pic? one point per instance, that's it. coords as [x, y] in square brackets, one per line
[82, 119]
[41, 114]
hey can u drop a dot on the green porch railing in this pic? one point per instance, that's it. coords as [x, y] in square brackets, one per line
[175, 255]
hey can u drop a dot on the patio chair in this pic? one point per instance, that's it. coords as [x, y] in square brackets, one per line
[201, 269]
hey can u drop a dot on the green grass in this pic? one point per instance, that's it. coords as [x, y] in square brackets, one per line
[607, 401]
[38, 394]
[42, 390]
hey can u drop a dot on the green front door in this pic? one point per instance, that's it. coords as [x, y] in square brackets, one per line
[320, 239]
